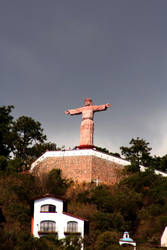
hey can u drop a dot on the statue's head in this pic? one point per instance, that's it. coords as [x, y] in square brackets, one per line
[88, 102]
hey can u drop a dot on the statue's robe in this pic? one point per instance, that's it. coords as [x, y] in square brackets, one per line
[87, 124]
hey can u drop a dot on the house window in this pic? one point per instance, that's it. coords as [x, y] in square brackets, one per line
[48, 226]
[72, 227]
[48, 208]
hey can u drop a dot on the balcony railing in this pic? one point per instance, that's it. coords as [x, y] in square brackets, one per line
[76, 231]
[47, 231]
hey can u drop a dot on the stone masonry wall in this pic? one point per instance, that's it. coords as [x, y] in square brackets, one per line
[82, 168]
[106, 171]
[78, 168]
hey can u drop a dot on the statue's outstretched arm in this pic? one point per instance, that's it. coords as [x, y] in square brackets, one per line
[108, 105]
[76, 111]
[101, 107]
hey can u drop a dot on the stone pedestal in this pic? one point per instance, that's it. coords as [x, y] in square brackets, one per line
[85, 146]
[82, 165]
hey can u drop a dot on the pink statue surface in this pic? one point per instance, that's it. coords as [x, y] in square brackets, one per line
[87, 124]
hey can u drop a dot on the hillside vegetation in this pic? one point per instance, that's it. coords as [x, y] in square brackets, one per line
[137, 204]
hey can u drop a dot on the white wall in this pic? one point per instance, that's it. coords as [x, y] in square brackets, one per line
[164, 238]
[60, 218]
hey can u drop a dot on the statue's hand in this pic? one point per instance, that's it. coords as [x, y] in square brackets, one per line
[108, 105]
[67, 112]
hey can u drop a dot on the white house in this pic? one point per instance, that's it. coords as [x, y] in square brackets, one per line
[164, 238]
[50, 217]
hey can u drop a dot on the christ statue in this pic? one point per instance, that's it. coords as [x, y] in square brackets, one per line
[87, 124]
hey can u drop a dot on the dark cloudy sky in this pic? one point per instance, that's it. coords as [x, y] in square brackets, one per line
[54, 53]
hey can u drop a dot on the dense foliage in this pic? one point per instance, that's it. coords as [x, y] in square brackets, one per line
[138, 153]
[6, 123]
[134, 204]
[22, 138]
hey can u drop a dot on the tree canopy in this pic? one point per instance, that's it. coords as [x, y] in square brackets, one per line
[27, 132]
[24, 138]
[6, 123]
[138, 153]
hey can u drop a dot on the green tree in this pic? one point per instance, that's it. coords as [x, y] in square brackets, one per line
[6, 121]
[163, 163]
[15, 165]
[40, 148]
[27, 132]
[3, 163]
[55, 184]
[17, 191]
[138, 153]
[107, 240]
[72, 242]
[103, 198]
